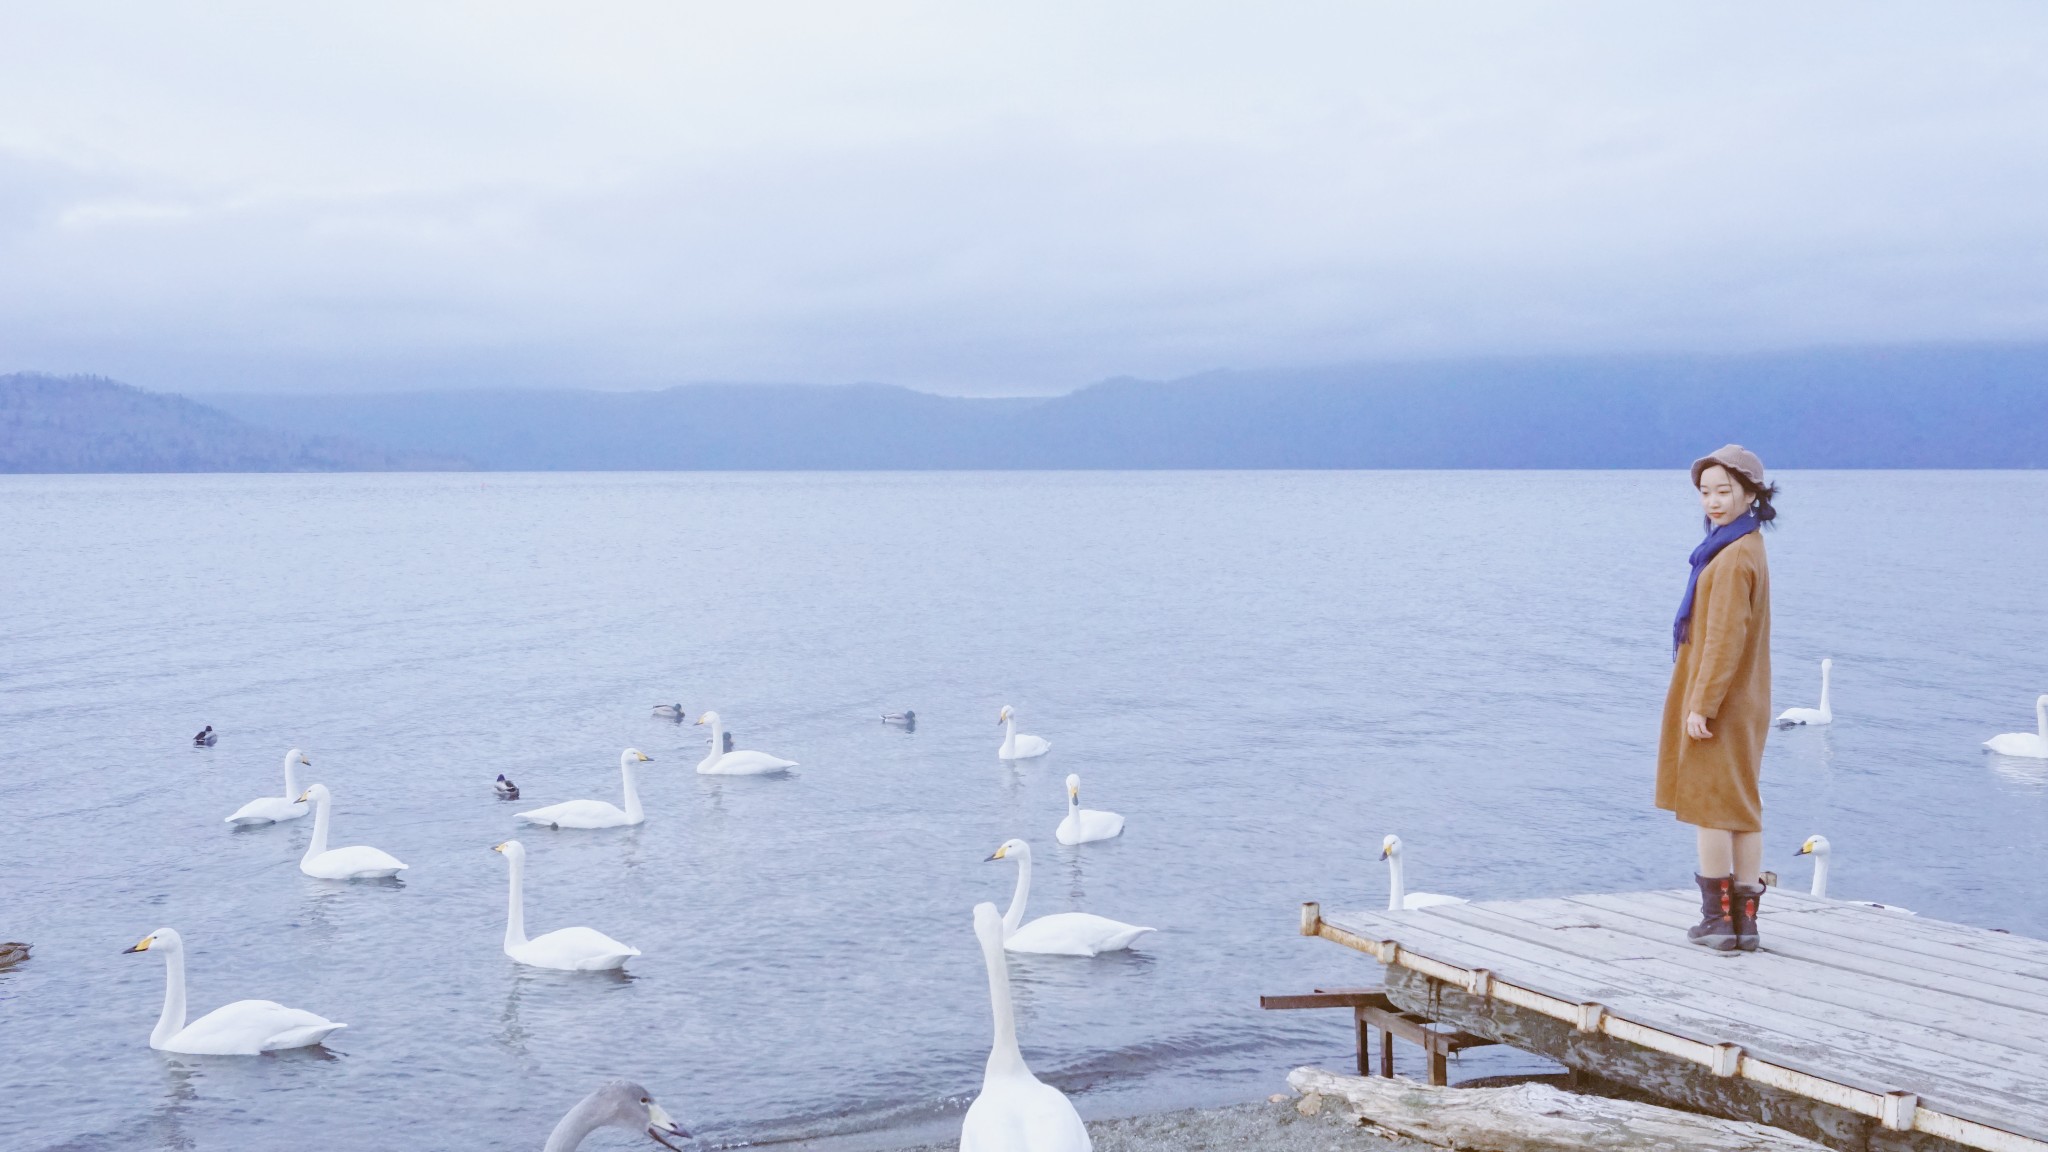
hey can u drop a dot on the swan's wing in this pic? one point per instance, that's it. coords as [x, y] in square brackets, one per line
[1073, 934]
[268, 810]
[576, 947]
[1430, 900]
[1069, 831]
[2018, 744]
[577, 814]
[1050, 1122]
[1029, 746]
[356, 860]
[1102, 825]
[744, 763]
[245, 1028]
[1021, 1113]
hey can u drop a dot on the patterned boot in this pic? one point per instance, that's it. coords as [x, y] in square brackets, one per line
[1744, 901]
[1716, 928]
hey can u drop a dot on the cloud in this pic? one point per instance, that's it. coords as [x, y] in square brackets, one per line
[627, 195]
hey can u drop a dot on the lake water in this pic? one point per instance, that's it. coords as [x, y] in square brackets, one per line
[1265, 672]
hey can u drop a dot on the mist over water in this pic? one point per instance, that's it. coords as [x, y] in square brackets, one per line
[1264, 672]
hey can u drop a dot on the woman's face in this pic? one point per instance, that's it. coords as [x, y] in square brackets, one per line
[1722, 496]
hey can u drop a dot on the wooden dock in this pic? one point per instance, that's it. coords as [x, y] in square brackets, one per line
[1861, 1028]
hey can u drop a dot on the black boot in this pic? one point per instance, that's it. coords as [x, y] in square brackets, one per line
[1716, 928]
[1743, 904]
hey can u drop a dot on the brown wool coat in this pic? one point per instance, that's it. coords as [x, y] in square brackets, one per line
[1723, 672]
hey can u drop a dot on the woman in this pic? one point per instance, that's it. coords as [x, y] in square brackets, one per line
[1719, 706]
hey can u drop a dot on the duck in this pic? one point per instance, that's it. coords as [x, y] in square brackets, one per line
[1062, 933]
[205, 737]
[597, 813]
[357, 862]
[728, 743]
[1818, 848]
[1794, 717]
[723, 761]
[566, 949]
[1015, 1111]
[618, 1104]
[13, 952]
[272, 809]
[243, 1028]
[1398, 896]
[1085, 824]
[904, 719]
[671, 712]
[1017, 747]
[505, 789]
[2033, 745]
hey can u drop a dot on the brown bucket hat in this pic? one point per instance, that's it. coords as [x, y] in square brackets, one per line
[1735, 458]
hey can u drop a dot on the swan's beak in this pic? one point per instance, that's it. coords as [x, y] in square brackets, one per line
[646, 759]
[660, 1123]
[1805, 849]
[141, 945]
[302, 796]
[1384, 853]
[700, 720]
[997, 854]
[498, 847]
[306, 760]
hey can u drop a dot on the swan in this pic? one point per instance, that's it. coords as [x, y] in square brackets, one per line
[505, 789]
[205, 737]
[724, 762]
[243, 1028]
[597, 813]
[359, 862]
[2033, 745]
[1818, 848]
[1793, 717]
[1015, 1112]
[1062, 933]
[670, 712]
[569, 949]
[1398, 896]
[1017, 747]
[271, 809]
[1085, 824]
[619, 1104]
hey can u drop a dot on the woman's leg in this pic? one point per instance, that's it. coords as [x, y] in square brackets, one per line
[1747, 856]
[1717, 851]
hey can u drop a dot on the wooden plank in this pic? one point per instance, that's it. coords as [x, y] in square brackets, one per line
[1975, 946]
[2005, 997]
[1354, 998]
[1664, 1005]
[1767, 986]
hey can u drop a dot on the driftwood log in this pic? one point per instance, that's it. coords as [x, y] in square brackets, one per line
[1529, 1118]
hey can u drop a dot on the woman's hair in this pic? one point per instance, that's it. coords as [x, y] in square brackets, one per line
[1763, 497]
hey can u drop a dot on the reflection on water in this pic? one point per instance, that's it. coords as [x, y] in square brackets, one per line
[1265, 673]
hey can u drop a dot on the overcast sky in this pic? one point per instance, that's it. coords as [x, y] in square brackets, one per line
[1000, 198]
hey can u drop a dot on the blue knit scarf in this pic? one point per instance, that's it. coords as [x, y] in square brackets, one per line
[1718, 537]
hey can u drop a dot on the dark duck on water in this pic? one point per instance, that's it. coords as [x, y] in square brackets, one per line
[505, 789]
[205, 737]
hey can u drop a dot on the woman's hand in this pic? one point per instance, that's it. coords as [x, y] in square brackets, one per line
[1696, 727]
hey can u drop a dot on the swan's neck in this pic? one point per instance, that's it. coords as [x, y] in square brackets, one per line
[2041, 717]
[172, 1021]
[291, 778]
[717, 741]
[632, 792]
[1824, 692]
[318, 843]
[515, 913]
[1003, 1057]
[1074, 807]
[1014, 918]
[1820, 873]
[1397, 886]
[586, 1117]
[1010, 734]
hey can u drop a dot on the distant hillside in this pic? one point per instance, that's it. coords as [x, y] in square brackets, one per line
[1839, 408]
[89, 424]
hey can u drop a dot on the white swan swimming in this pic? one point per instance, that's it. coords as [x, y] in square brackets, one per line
[271, 809]
[741, 763]
[243, 1028]
[1793, 717]
[2033, 745]
[1085, 824]
[1398, 896]
[1062, 933]
[1017, 747]
[597, 813]
[1818, 848]
[357, 862]
[569, 949]
[619, 1104]
[1015, 1112]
